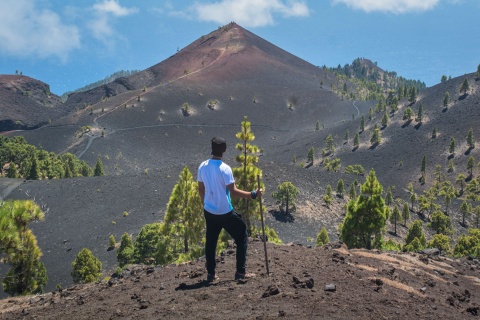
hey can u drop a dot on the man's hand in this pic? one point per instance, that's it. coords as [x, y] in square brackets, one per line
[259, 192]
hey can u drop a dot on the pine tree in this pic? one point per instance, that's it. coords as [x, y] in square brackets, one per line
[423, 168]
[12, 171]
[322, 237]
[340, 188]
[362, 123]
[86, 267]
[478, 71]
[394, 105]
[440, 223]
[385, 120]
[470, 139]
[446, 99]
[416, 232]
[464, 87]
[246, 174]
[111, 241]
[451, 149]
[311, 155]
[461, 181]
[412, 94]
[470, 165]
[441, 242]
[395, 217]
[98, 171]
[408, 114]
[389, 197]
[405, 213]
[328, 195]
[376, 137]
[434, 133]
[330, 144]
[451, 165]
[286, 196]
[356, 140]
[366, 216]
[443, 79]
[18, 247]
[420, 113]
[465, 210]
[125, 253]
[34, 173]
[370, 114]
[183, 219]
[352, 193]
[347, 136]
[317, 126]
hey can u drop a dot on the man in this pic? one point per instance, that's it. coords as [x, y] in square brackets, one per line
[216, 184]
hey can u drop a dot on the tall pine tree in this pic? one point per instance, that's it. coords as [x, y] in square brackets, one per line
[246, 174]
[366, 217]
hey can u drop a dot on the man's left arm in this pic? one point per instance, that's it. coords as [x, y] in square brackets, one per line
[201, 191]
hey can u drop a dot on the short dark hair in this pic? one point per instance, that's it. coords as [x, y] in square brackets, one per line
[219, 145]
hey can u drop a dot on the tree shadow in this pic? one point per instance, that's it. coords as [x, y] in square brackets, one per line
[382, 127]
[282, 216]
[444, 109]
[450, 156]
[393, 234]
[418, 125]
[407, 123]
[309, 165]
[468, 151]
[463, 96]
[373, 146]
[354, 148]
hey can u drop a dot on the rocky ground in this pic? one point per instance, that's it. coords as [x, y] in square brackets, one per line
[328, 282]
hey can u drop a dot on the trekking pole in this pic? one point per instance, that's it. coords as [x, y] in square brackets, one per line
[263, 229]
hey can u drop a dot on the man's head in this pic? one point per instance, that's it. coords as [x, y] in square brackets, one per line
[219, 145]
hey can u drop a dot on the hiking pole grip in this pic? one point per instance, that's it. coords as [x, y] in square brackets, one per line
[264, 238]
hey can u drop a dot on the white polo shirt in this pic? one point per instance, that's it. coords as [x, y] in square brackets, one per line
[216, 175]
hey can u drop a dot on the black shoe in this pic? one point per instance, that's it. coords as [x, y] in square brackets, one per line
[211, 277]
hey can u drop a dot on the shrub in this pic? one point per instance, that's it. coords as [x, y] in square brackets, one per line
[355, 169]
[86, 267]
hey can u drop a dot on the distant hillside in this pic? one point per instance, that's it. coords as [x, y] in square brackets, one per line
[27, 103]
[107, 79]
[371, 81]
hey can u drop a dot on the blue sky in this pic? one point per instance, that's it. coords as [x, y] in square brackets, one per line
[71, 43]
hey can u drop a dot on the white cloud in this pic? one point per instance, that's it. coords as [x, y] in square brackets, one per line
[249, 13]
[26, 30]
[104, 12]
[394, 6]
[113, 7]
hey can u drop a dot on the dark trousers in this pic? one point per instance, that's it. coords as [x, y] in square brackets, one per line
[232, 223]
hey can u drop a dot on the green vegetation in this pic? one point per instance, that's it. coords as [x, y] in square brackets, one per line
[246, 174]
[468, 244]
[311, 155]
[327, 198]
[19, 249]
[465, 86]
[98, 171]
[322, 237]
[28, 162]
[286, 196]
[415, 239]
[366, 216]
[367, 82]
[355, 169]
[86, 267]
[125, 253]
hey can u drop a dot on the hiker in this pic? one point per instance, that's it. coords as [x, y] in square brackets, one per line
[216, 184]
